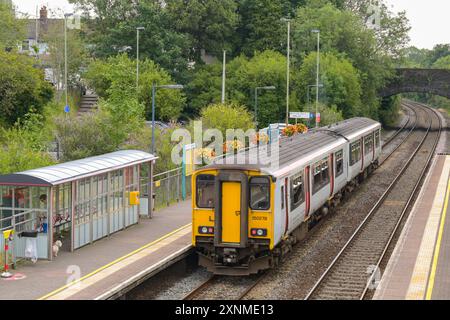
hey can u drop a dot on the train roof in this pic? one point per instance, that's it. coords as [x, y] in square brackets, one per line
[297, 150]
[352, 128]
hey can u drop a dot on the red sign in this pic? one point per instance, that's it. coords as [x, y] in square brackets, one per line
[318, 117]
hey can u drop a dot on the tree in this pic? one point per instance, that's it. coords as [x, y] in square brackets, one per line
[22, 88]
[12, 30]
[260, 27]
[344, 33]
[76, 53]
[111, 29]
[243, 76]
[226, 116]
[439, 51]
[114, 80]
[341, 83]
[88, 135]
[24, 146]
[210, 24]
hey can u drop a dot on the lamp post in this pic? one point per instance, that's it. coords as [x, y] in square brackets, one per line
[154, 87]
[317, 73]
[308, 94]
[256, 99]
[66, 15]
[137, 56]
[288, 65]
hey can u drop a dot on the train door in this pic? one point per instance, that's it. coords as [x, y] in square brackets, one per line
[307, 191]
[332, 176]
[231, 212]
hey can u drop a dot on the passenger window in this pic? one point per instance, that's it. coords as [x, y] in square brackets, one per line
[339, 156]
[205, 191]
[355, 152]
[260, 193]
[297, 191]
[321, 175]
[377, 139]
[368, 144]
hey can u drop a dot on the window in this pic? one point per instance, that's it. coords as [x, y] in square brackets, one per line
[339, 158]
[368, 144]
[355, 152]
[377, 139]
[321, 175]
[260, 193]
[282, 197]
[205, 191]
[297, 191]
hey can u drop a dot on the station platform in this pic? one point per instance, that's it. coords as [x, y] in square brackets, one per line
[419, 267]
[106, 268]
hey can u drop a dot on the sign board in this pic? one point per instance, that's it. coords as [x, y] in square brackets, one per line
[299, 115]
[67, 109]
[189, 159]
[188, 166]
[318, 118]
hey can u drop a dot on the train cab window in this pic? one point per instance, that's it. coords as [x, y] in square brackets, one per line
[321, 175]
[368, 144]
[297, 191]
[205, 191]
[339, 156]
[355, 152]
[377, 139]
[260, 193]
[282, 197]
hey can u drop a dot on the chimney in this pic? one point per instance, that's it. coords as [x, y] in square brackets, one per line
[43, 13]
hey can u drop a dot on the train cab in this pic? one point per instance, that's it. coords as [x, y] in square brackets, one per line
[232, 217]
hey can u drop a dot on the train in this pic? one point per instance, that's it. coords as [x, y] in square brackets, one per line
[247, 217]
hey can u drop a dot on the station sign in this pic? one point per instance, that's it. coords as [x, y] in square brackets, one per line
[299, 115]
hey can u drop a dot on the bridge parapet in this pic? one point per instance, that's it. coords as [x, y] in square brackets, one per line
[434, 81]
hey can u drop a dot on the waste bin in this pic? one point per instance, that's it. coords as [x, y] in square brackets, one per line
[31, 251]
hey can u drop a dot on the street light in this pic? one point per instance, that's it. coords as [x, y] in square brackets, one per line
[154, 87]
[317, 73]
[137, 56]
[308, 94]
[288, 65]
[66, 15]
[256, 99]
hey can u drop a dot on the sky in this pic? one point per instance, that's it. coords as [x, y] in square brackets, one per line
[429, 19]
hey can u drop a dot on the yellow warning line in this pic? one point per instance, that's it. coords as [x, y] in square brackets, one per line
[113, 262]
[438, 246]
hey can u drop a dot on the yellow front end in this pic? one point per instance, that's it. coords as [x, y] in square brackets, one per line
[260, 221]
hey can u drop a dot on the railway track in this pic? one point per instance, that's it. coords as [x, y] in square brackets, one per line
[215, 284]
[355, 269]
[224, 288]
[403, 126]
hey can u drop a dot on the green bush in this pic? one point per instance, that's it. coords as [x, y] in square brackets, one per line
[226, 116]
[88, 135]
[22, 88]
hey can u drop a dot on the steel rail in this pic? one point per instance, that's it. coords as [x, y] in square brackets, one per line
[407, 205]
[371, 213]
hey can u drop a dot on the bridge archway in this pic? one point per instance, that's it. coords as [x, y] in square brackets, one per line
[432, 81]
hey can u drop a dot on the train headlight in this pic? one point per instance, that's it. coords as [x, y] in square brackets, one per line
[259, 232]
[206, 230]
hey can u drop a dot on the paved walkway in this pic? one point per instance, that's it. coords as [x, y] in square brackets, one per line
[104, 261]
[419, 267]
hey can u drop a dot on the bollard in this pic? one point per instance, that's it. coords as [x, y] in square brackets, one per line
[7, 235]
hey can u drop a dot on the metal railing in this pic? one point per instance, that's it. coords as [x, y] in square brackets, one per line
[167, 187]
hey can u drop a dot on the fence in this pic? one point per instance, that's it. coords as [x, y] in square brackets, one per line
[167, 187]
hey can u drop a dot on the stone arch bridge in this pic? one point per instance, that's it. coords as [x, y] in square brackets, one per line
[433, 81]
